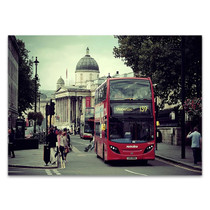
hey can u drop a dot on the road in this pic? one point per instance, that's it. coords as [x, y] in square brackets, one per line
[80, 163]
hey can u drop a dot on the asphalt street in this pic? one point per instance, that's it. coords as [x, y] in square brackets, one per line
[80, 163]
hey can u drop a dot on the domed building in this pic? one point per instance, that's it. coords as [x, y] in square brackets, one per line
[87, 70]
[60, 83]
[71, 101]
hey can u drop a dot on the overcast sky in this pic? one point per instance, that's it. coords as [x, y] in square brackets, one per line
[58, 53]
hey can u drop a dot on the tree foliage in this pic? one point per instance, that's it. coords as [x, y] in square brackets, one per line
[193, 107]
[160, 58]
[26, 84]
[36, 116]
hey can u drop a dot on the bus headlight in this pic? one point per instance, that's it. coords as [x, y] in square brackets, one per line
[149, 148]
[114, 149]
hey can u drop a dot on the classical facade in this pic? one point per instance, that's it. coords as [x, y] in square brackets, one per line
[72, 100]
[13, 68]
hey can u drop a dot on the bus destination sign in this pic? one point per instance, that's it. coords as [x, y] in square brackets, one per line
[131, 108]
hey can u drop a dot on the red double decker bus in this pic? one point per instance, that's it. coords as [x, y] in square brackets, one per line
[125, 119]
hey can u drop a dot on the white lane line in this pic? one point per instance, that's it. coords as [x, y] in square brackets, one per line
[132, 172]
[84, 143]
[56, 172]
[48, 172]
[74, 149]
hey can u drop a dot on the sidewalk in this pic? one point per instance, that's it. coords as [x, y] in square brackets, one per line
[33, 158]
[173, 153]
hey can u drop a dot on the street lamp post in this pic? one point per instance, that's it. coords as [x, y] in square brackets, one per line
[156, 115]
[36, 78]
[183, 97]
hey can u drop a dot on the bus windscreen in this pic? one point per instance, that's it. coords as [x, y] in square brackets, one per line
[130, 90]
[131, 130]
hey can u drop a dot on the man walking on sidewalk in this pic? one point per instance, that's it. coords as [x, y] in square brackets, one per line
[196, 144]
[51, 141]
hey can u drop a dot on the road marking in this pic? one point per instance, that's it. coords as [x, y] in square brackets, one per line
[178, 166]
[56, 172]
[86, 143]
[74, 149]
[48, 172]
[132, 172]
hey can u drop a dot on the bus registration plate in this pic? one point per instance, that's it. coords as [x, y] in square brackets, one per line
[131, 158]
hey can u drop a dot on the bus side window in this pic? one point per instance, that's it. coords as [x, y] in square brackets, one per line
[97, 129]
[100, 94]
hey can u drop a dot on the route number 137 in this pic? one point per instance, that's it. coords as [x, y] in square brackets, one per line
[143, 108]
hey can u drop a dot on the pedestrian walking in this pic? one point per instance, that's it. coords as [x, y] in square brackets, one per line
[69, 140]
[71, 130]
[51, 141]
[65, 142]
[195, 144]
[11, 137]
[67, 135]
[61, 145]
[91, 145]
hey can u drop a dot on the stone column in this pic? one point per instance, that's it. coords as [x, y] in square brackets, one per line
[69, 111]
[83, 105]
[77, 109]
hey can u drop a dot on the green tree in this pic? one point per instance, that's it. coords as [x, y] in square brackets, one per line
[36, 116]
[159, 57]
[26, 84]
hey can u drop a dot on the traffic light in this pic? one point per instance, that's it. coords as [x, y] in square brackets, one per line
[52, 108]
[47, 109]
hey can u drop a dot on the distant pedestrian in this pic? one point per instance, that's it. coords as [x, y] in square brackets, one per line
[69, 140]
[11, 137]
[60, 148]
[51, 141]
[196, 144]
[60, 143]
[65, 142]
[71, 130]
[68, 136]
[91, 145]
